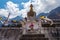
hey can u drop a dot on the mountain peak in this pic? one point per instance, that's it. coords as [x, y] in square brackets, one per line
[17, 18]
[55, 13]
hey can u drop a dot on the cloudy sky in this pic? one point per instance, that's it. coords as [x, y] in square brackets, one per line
[21, 7]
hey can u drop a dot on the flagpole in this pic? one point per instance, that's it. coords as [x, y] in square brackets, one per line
[8, 16]
[6, 21]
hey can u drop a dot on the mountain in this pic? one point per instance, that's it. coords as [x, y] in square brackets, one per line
[55, 13]
[2, 18]
[18, 18]
[42, 14]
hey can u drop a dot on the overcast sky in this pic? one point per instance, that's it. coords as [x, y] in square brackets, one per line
[21, 7]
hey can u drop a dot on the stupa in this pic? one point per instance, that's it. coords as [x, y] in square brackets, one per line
[31, 14]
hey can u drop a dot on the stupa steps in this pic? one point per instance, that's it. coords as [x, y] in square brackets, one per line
[33, 37]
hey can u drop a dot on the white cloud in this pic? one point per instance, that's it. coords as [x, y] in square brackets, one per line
[51, 2]
[23, 12]
[42, 5]
[39, 6]
[11, 8]
[4, 12]
[26, 8]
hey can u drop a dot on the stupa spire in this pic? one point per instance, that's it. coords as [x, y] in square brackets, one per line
[31, 7]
